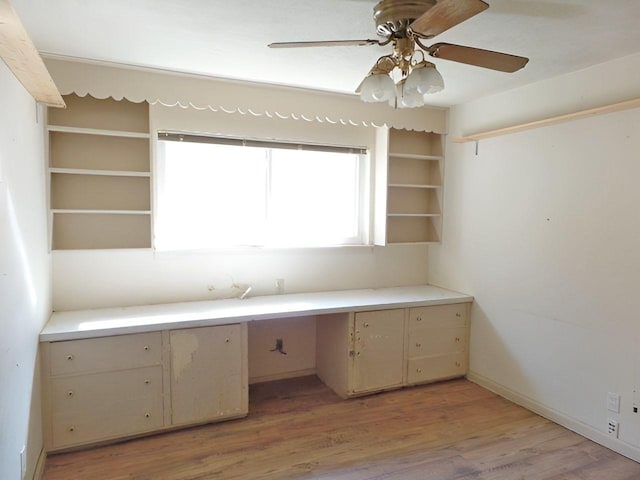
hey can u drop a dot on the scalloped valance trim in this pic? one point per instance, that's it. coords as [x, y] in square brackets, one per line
[234, 97]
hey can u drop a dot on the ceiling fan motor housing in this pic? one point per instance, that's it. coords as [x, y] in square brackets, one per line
[392, 17]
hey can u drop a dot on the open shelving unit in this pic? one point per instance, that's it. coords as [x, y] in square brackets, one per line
[100, 175]
[410, 177]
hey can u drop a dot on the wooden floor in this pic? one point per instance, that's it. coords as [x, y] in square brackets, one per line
[298, 429]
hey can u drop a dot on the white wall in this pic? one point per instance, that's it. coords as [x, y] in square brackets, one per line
[25, 275]
[91, 279]
[542, 227]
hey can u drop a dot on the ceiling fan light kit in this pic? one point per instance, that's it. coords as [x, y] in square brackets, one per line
[405, 77]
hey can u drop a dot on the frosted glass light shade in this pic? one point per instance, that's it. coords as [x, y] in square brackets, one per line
[411, 98]
[425, 80]
[377, 88]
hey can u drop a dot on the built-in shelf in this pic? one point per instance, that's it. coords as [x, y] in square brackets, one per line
[101, 212]
[415, 156]
[110, 173]
[97, 131]
[99, 174]
[413, 214]
[409, 168]
[409, 185]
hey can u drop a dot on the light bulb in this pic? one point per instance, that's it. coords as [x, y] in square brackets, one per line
[411, 98]
[377, 88]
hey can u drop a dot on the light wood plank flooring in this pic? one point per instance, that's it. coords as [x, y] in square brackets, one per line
[299, 429]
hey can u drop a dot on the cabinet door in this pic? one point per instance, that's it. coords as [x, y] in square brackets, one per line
[206, 374]
[378, 350]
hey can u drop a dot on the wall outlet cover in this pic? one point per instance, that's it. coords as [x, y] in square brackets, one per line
[613, 402]
[612, 427]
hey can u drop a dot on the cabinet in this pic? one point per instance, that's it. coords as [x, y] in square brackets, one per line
[102, 389]
[99, 174]
[206, 374]
[437, 343]
[372, 351]
[409, 172]
[378, 350]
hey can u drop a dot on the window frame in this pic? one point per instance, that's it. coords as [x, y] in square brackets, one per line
[363, 188]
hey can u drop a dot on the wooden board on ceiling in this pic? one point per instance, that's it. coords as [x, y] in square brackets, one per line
[19, 53]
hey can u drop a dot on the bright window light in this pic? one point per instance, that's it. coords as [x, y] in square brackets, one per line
[211, 194]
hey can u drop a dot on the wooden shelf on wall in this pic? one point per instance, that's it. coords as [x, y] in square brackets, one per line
[614, 107]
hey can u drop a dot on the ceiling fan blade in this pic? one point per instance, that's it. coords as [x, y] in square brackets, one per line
[502, 62]
[446, 14]
[328, 43]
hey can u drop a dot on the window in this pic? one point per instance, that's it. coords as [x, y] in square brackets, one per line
[214, 192]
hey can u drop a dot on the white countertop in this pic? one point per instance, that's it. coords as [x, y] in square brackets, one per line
[146, 318]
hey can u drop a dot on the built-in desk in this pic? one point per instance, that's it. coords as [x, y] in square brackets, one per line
[119, 372]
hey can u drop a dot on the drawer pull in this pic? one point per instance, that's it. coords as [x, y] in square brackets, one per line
[458, 364]
[72, 429]
[419, 370]
[146, 348]
[418, 319]
[366, 325]
[69, 357]
[358, 354]
[227, 340]
[147, 415]
[70, 393]
[418, 345]
[458, 314]
[457, 339]
[147, 382]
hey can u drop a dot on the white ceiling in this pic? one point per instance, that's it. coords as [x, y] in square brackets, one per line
[228, 38]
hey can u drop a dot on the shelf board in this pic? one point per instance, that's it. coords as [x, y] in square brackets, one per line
[414, 156]
[417, 215]
[430, 242]
[412, 185]
[96, 131]
[615, 107]
[109, 173]
[101, 212]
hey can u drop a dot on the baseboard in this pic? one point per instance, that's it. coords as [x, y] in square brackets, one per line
[42, 459]
[282, 376]
[555, 416]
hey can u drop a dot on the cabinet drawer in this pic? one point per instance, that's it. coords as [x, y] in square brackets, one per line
[87, 408]
[424, 369]
[437, 341]
[106, 353]
[438, 316]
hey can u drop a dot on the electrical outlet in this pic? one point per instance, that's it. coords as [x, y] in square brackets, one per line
[613, 402]
[23, 463]
[612, 427]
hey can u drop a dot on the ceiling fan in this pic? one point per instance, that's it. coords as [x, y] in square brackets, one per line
[405, 76]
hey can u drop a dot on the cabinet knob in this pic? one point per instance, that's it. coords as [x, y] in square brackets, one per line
[227, 340]
[70, 393]
[418, 345]
[69, 357]
[147, 382]
[358, 354]
[458, 364]
[146, 348]
[72, 429]
[419, 370]
[457, 339]
[418, 319]
[458, 314]
[366, 325]
[147, 415]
